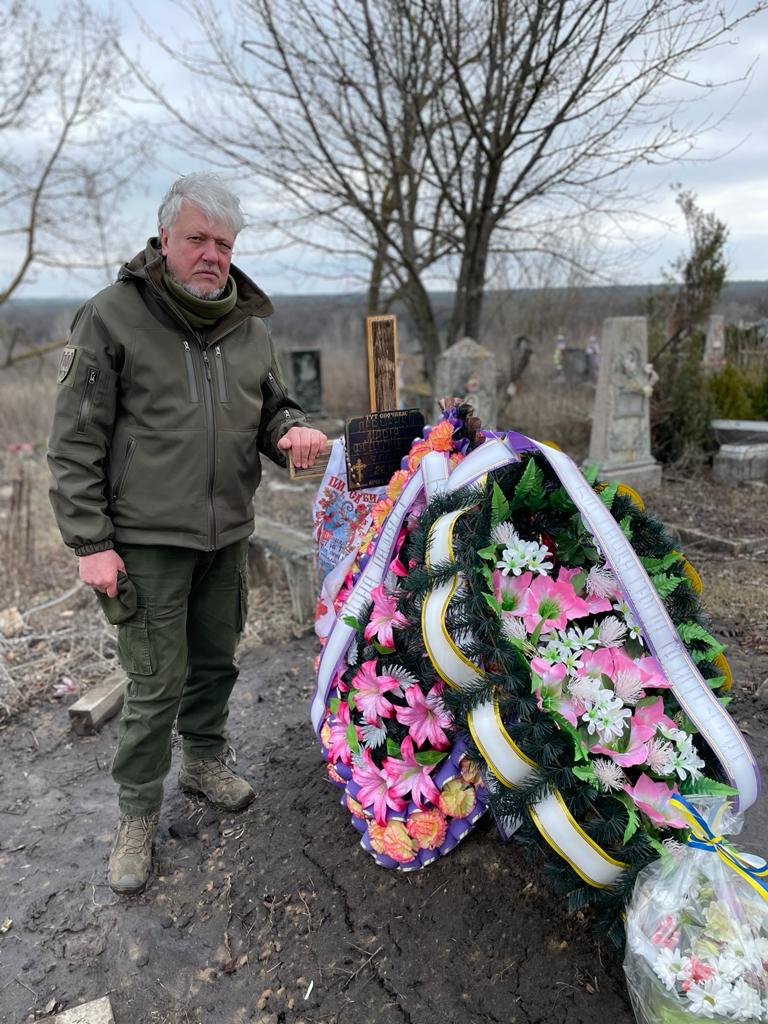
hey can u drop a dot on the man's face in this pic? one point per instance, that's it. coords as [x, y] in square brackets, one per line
[197, 253]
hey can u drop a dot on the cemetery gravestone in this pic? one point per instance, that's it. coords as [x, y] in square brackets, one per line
[714, 347]
[621, 435]
[468, 371]
[305, 372]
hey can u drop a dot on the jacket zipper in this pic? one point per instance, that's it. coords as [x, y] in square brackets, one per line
[210, 416]
[191, 379]
[275, 385]
[118, 485]
[221, 377]
[86, 402]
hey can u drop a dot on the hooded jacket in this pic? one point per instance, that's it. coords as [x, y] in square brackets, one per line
[158, 425]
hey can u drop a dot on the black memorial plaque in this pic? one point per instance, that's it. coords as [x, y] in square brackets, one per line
[377, 442]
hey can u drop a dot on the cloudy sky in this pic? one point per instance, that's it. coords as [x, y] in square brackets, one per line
[728, 171]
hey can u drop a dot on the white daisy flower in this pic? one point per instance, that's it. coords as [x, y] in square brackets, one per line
[514, 559]
[747, 1002]
[537, 558]
[668, 965]
[711, 998]
[583, 639]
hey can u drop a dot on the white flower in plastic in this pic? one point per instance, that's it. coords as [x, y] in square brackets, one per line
[601, 582]
[608, 774]
[612, 632]
[711, 997]
[668, 965]
[748, 1004]
[506, 534]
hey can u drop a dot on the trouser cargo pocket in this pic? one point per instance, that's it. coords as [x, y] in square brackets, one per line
[133, 644]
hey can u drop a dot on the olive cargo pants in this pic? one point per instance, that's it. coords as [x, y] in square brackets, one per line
[179, 653]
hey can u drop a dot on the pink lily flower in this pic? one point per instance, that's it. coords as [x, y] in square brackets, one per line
[594, 603]
[654, 677]
[375, 790]
[550, 603]
[510, 590]
[370, 690]
[425, 717]
[550, 695]
[384, 617]
[652, 798]
[406, 775]
[338, 747]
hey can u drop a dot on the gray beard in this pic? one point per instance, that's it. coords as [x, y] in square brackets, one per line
[199, 293]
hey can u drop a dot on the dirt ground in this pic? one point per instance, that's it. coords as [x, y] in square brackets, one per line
[276, 915]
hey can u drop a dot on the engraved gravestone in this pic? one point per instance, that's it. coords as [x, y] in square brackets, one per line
[621, 435]
[468, 371]
[714, 347]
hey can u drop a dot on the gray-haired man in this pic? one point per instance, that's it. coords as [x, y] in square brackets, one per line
[168, 391]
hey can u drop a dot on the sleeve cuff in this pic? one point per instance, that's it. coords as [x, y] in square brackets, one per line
[93, 549]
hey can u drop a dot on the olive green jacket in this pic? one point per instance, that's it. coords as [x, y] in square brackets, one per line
[158, 426]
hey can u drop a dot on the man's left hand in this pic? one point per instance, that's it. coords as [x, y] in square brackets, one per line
[304, 444]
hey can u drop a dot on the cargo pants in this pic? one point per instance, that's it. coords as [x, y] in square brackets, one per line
[178, 650]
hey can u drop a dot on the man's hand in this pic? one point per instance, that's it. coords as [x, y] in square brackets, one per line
[100, 571]
[304, 444]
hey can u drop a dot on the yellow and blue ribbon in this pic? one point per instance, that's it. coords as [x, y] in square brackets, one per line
[753, 870]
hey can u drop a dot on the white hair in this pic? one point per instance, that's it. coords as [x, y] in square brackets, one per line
[209, 194]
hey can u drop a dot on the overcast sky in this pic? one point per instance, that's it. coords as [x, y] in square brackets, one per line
[728, 173]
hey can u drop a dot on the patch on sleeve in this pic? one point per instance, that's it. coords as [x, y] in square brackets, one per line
[67, 366]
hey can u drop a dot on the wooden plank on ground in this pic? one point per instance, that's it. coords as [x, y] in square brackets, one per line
[99, 1011]
[93, 709]
[382, 362]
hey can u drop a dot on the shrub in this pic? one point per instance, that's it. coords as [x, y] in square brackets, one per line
[733, 393]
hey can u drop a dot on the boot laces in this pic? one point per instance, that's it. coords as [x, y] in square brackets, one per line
[137, 831]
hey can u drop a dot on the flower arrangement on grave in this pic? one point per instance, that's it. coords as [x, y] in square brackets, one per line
[486, 648]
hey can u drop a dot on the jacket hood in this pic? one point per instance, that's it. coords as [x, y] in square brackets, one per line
[148, 266]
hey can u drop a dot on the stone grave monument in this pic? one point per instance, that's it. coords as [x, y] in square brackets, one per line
[307, 382]
[714, 347]
[621, 435]
[468, 371]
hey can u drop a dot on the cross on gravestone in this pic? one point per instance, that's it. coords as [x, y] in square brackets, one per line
[714, 347]
[381, 335]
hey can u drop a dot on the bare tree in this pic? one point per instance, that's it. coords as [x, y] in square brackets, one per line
[423, 137]
[67, 155]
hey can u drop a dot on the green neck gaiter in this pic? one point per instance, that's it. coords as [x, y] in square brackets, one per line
[202, 312]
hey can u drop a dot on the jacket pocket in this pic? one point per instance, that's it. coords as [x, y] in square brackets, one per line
[133, 644]
[86, 400]
[221, 374]
[243, 617]
[117, 486]
[191, 378]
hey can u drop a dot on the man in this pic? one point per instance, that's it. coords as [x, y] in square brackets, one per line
[168, 389]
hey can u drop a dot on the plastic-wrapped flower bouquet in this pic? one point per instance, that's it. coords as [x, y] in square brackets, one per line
[697, 930]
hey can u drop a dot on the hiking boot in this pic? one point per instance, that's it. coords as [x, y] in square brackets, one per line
[131, 859]
[212, 778]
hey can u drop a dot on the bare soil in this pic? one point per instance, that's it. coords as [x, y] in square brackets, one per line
[276, 915]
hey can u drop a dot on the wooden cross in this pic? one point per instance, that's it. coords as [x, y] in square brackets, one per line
[381, 333]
